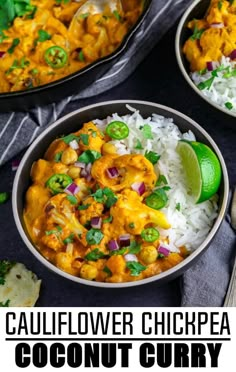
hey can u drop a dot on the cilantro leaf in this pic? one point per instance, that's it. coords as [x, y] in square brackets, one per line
[69, 138]
[108, 219]
[13, 45]
[178, 206]
[105, 196]
[72, 199]
[197, 33]
[134, 247]
[147, 131]
[138, 145]
[83, 207]
[57, 157]
[4, 196]
[206, 84]
[94, 236]
[84, 138]
[89, 156]
[135, 268]
[5, 304]
[5, 267]
[69, 239]
[43, 36]
[107, 271]
[94, 255]
[161, 180]
[152, 156]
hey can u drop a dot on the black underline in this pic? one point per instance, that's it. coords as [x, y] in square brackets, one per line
[117, 339]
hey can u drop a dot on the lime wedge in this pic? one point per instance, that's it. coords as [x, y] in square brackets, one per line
[202, 169]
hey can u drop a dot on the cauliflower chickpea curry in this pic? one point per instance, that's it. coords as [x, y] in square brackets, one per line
[39, 44]
[96, 214]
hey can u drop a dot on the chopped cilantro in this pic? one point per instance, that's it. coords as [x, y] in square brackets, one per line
[206, 84]
[69, 138]
[5, 267]
[94, 255]
[108, 219]
[50, 232]
[147, 131]
[229, 105]
[81, 56]
[161, 180]
[14, 44]
[107, 271]
[85, 139]
[117, 15]
[197, 33]
[69, 239]
[177, 206]
[84, 15]
[105, 196]
[89, 156]
[135, 268]
[138, 145]
[5, 304]
[94, 236]
[83, 207]
[4, 196]
[134, 247]
[152, 156]
[72, 199]
[57, 157]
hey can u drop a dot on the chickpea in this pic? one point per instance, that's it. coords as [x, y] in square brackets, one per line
[88, 272]
[73, 172]
[69, 156]
[148, 254]
[108, 148]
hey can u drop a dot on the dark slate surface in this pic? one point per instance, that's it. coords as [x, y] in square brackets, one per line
[157, 79]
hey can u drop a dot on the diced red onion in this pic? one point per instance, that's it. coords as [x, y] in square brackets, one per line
[74, 145]
[2, 54]
[112, 172]
[130, 257]
[217, 25]
[15, 164]
[139, 187]
[163, 250]
[124, 240]
[72, 189]
[233, 54]
[88, 167]
[79, 164]
[113, 245]
[212, 65]
[96, 222]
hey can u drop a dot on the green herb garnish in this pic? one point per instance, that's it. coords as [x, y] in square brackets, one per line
[105, 196]
[83, 207]
[72, 199]
[107, 271]
[5, 267]
[206, 84]
[229, 105]
[152, 156]
[13, 45]
[4, 196]
[69, 239]
[138, 145]
[69, 138]
[108, 219]
[94, 255]
[57, 157]
[5, 304]
[94, 236]
[89, 156]
[135, 268]
[147, 131]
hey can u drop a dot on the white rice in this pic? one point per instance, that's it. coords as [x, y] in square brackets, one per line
[191, 224]
[223, 88]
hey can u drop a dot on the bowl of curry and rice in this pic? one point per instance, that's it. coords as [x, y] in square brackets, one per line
[120, 193]
[206, 52]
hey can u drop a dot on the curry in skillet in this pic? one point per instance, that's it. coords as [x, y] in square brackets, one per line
[39, 44]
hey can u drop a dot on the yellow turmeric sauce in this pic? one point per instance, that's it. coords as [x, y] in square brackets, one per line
[59, 213]
[213, 36]
[43, 45]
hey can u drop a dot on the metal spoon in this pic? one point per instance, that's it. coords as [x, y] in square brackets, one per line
[96, 7]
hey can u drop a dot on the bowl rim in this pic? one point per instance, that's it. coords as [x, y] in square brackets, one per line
[181, 26]
[174, 270]
[110, 57]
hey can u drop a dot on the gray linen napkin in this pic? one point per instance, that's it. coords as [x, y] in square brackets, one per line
[206, 283]
[18, 130]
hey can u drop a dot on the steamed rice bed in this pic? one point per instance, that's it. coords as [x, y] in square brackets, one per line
[62, 225]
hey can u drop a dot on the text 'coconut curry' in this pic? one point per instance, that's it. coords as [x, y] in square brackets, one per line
[39, 42]
[95, 213]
